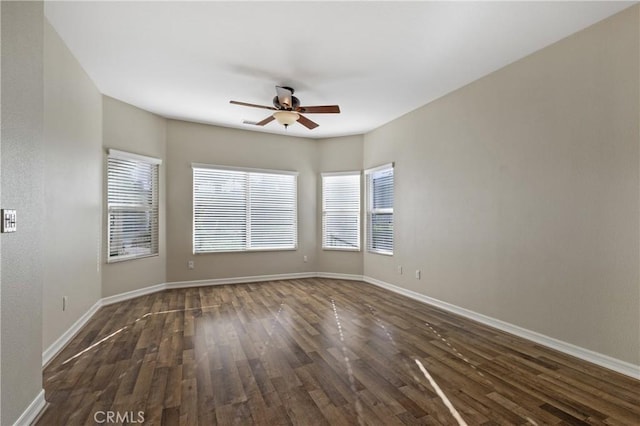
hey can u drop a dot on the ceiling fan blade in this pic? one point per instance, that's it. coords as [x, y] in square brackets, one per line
[252, 105]
[285, 95]
[320, 109]
[267, 120]
[307, 123]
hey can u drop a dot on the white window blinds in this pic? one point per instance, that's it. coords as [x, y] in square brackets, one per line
[243, 209]
[379, 194]
[132, 203]
[341, 211]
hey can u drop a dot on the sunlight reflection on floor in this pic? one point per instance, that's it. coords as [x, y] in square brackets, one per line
[352, 380]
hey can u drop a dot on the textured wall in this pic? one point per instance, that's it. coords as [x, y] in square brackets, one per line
[22, 189]
[518, 195]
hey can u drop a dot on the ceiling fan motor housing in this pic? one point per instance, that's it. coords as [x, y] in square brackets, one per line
[294, 101]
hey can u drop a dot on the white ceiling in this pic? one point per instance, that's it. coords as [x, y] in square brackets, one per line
[378, 61]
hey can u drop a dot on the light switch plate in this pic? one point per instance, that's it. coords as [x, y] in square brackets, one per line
[8, 223]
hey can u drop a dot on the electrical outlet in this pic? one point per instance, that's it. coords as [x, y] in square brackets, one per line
[399, 269]
[417, 274]
[191, 264]
[305, 259]
[64, 303]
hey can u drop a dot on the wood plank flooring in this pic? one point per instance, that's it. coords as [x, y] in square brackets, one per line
[317, 352]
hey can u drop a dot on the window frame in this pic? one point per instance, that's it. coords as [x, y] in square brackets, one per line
[248, 171]
[324, 211]
[153, 208]
[370, 211]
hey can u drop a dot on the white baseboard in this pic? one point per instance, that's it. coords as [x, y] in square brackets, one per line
[132, 294]
[32, 412]
[240, 280]
[66, 337]
[335, 276]
[602, 360]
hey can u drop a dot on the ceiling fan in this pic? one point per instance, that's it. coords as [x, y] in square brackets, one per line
[288, 110]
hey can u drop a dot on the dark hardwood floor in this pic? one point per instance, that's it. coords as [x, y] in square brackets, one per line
[317, 351]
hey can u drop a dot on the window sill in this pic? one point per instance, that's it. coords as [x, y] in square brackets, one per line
[130, 257]
[245, 251]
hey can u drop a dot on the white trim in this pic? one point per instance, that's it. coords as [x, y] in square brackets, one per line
[66, 337]
[132, 294]
[32, 412]
[347, 173]
[251, 250]
[243, 169]
[380, 167]
[240, 280]
[123, 155]
[588, 355]
[336, 276]
[125, 258]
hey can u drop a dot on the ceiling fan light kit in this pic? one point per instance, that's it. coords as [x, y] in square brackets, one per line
[288, 110]
[286, 118]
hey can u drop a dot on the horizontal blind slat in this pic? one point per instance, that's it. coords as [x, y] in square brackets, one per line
[238, 210]
[341, 211]
[380, 196]
[132, 204]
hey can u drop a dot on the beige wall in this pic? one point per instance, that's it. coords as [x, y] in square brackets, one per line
[188, 143]
[131, 129]
[22, 189]
[73, 189]
[338, 155]
[517, 196]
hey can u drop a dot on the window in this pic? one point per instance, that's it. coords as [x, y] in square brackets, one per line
[243, 209]
[379, 194]
[341, 211]
[132, 203]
